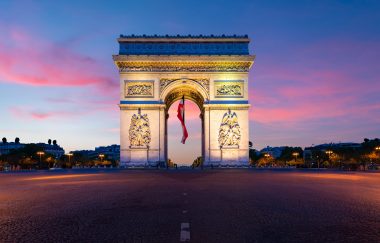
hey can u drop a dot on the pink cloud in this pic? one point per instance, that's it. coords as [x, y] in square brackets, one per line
[36, 114]
[27, 59]
[325, 80]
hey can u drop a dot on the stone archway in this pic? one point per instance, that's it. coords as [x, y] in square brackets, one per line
[212, 71]
[190, 89]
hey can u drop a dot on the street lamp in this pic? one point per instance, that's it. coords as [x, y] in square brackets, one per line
[40, 153]
[69, 155]
[295, 154]
[377, 149]
[101, 156]
[329, 153]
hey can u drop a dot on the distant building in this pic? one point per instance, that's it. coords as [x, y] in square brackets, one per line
[274, 152]
[87, 153]
[111, 152]
[307, 154]
[54, 149]
[5, 148]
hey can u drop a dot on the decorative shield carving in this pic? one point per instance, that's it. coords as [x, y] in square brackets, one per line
[229, 131]
[139, 130]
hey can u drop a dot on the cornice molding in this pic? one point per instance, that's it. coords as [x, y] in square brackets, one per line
[181, 64]
[184, 58]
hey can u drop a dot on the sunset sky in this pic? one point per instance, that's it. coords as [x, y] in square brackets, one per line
[315, 78]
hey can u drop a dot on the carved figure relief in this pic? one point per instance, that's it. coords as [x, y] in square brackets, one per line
[229, 88]
[139, 88]
[229, 131]
[139, 130]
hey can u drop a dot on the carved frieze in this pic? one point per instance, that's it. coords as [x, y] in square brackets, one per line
[139, 130]
[189, 94]
[229, 130]
[229, 88]
[204, 82]
[183, 66]
[139, 88]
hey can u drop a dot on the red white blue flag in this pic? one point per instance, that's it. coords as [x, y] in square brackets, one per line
[181, 117]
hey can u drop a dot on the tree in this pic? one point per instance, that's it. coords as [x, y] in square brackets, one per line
[17, 140]
[265, 161]
[27, 156]
[55, 142]
[319, 156]
[287, 153]
[49, 141]
[197, 162]
[4, 140]
[250, 144]
[254, 156]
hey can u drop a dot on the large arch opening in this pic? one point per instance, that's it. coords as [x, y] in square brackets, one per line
[194, 119]
[184, 154]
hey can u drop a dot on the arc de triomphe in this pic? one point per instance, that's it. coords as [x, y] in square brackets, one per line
[156, 71]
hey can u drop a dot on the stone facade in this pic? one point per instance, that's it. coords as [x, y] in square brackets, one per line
[214, 75]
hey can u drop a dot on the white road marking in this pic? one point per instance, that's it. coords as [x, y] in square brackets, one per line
[184, 211]
[185, 232]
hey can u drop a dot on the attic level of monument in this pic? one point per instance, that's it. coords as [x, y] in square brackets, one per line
[183, 45]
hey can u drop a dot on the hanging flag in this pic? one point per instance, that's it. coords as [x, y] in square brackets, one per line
[181, 117]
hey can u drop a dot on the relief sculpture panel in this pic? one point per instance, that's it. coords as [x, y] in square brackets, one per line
[139, 89]
[139, 130]
[228, 89]
[229, 130]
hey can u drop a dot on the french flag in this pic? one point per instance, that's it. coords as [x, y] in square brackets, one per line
[181, 117]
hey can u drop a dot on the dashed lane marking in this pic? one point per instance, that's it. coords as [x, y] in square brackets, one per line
[185, 232]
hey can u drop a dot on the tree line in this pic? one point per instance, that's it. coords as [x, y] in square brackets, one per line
[365, 156]
[28, 157]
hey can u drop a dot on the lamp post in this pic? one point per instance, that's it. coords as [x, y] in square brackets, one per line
[377, 149]
[266, 158]
[69, 155]
[329, 153]
[40, 153]
[101, 156]
[295, 154]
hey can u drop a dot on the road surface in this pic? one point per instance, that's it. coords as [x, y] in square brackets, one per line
[190, 205]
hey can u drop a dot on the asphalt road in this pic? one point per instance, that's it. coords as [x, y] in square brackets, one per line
[203, 206]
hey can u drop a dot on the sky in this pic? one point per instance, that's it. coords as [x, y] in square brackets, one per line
[315, 78]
